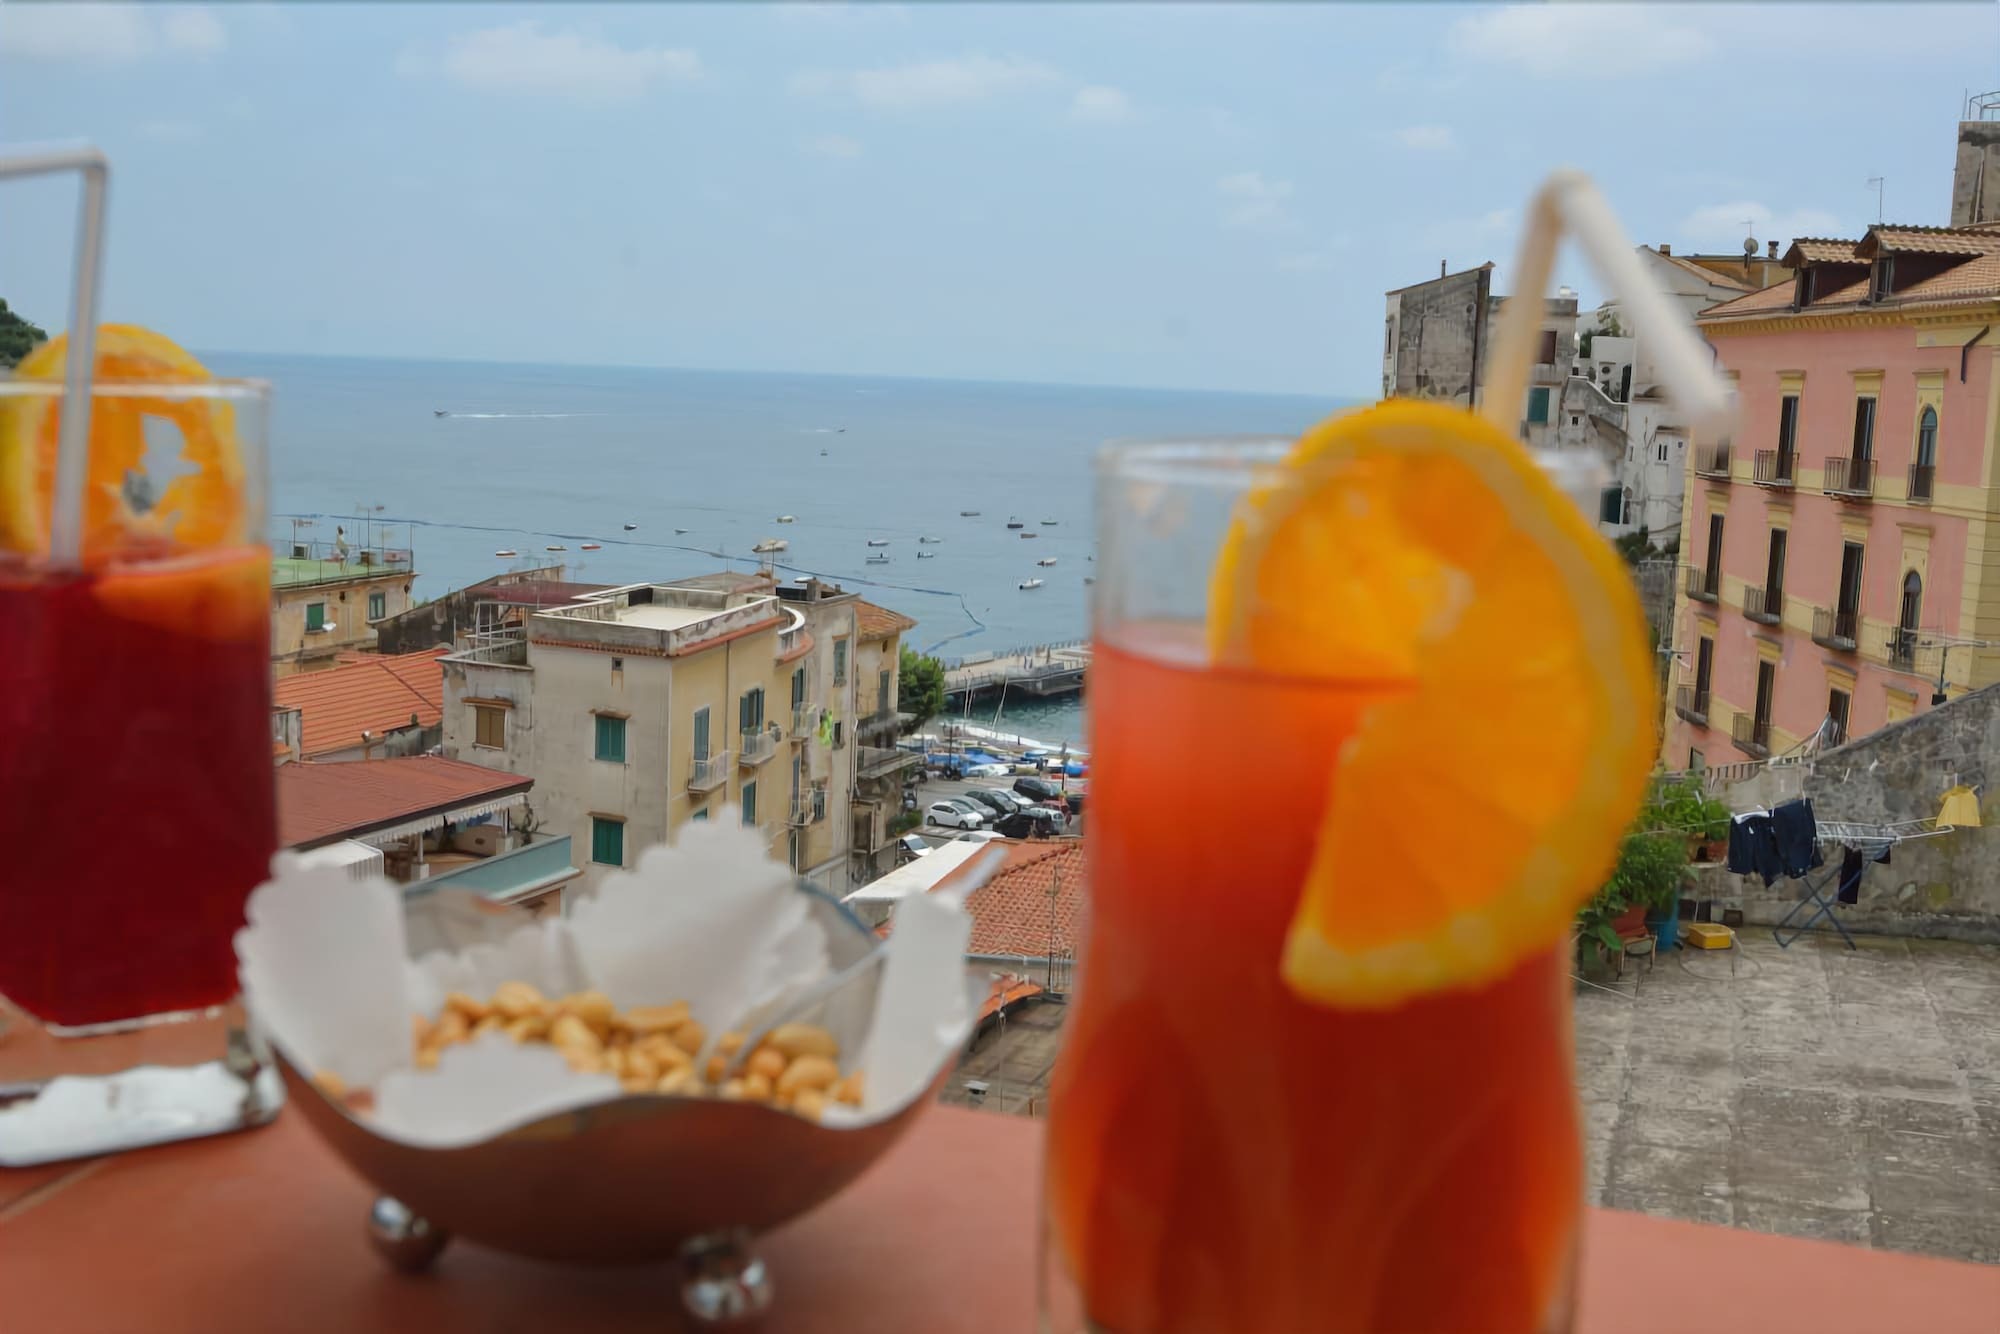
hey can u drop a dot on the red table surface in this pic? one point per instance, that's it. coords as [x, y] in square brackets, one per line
[264, 1231]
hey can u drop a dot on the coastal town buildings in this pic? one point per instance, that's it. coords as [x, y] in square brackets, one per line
[364, 706]
[641, 708]
[1842, 550]
[326, 598]
[1437, 337]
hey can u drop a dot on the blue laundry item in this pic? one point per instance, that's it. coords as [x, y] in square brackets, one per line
[1797, 835]
[1753, 846]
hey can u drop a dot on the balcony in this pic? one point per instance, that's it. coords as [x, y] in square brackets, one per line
[1773, 467]
[807, 808]
[1545, 372]
[805, 721]
[1764, 605]
[1703, 585]
[876, 762]
[1848, 478]
[1923, 483]
[710, 772]
[1751, 735]
[759, 746]
[1902, 649]
[1691, 704]
[1834, 627]
[526, 872]
[882, 722]
[1712, 461]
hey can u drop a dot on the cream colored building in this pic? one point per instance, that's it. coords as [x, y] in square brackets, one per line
[326, 598]
[648, 706]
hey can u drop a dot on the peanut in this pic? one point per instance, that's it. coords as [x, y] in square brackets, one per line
[570, 1031]
[427, 1058]
[641, 1065]
[766, 1062]
[615, 1060]
[681, 1080]
[473, 1010]
[593, 1007]
[716, 1065]
[757, 1086]
[734, 1091]
[492, 1023]
[848, 1090]
[656, 1018]
[730, 1043]
[808, 1072]
[584, 1062]
[451, 1027]
[529, 1029]
[809, 1103]
[802, 1040]
[517, 1000]
[634, 1084]
[689, 1037]
[332, 1085]
[420, 1030]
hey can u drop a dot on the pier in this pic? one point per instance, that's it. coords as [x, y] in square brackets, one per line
[1041, 670]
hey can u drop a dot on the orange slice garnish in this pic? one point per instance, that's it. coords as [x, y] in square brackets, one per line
[1474, 811]
[203, 507]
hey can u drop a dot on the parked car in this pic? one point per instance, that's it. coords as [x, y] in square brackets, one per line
[1034, 822]
[974, 836]
[989, 771]
[953, 815]
[1037, 789]
[913, 847]
[1014, 801]
[1075, 798]
[993, 808]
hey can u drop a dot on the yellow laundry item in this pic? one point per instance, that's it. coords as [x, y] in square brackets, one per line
[1960, 808]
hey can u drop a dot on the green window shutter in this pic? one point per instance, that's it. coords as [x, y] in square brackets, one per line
[701, 751]
[798, 687]
[378, 606]
[607, 842]
[840, 662]
[1538, 406]
[611, 739]
[749, 803]
[699, 816]
[315, 616]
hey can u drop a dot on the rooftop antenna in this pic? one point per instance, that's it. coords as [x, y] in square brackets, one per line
[1876, 183]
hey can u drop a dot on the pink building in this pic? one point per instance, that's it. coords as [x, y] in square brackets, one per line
[1842, 551]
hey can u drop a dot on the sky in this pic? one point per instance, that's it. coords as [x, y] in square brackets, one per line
[1178, 196]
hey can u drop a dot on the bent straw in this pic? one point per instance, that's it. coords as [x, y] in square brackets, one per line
[73, 443]
[1568, 201]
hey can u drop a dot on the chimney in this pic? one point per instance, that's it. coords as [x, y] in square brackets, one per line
[1441, 268]
[1770, 250]
[1975, 181]
[1666, 249]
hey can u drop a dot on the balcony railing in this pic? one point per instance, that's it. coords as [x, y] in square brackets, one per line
[1923, 482]
[807, 807]
[876, 724]
[1765, 605]
[1691, 703]
[1902, 648]
[1712, 460]
[881, 761]
[759, 746]
[1751, 735]
[710, 771]
[1833, 627]
[1852, 479]
[1773, 467]
[1703, 585]
[805, 722]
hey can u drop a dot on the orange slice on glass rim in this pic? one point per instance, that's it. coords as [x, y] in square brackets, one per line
[202, 507]
[1473, 812]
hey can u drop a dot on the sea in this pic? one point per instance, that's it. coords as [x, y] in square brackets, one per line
[703, 463]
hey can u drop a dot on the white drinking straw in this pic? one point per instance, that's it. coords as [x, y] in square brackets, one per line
[73, 445]
[1569, 203]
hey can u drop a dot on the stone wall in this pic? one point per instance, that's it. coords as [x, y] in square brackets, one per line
[1947, 886]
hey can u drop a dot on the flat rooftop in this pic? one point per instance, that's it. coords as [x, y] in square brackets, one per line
[658, 616]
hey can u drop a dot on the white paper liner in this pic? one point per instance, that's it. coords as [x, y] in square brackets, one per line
[711, 921]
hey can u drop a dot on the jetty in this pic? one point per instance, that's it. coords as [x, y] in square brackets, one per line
[1040, 670]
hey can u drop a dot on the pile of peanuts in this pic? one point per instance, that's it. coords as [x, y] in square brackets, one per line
[649, 1048]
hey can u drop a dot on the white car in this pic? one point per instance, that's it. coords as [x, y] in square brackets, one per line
[989, 771]
[951, 816]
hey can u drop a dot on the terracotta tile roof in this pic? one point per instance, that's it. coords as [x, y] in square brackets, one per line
[1974, 278]
[1707, 275]
[1007, 992]
[1821, 250]
[1774, 298]
[873, 622]
[1011, 912]
[375, 694]
[323, 803]
[1929, 240]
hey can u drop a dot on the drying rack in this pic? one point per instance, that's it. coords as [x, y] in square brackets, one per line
[1865, 838]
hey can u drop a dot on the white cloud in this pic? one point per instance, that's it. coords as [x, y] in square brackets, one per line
[108, 34]
[1100, 105]
[928, 83]
[1582, 41]
[1427, 138]
[1249, 200]
[171, 131]
[1720, 226]
[837, 146]
[524, 58]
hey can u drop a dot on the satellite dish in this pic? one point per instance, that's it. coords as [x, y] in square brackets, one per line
[1749, 245]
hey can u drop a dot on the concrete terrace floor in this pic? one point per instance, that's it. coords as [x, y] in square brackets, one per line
[1816, 1091]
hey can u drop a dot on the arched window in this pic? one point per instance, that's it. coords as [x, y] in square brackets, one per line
[1927, 438]
[1904, 650]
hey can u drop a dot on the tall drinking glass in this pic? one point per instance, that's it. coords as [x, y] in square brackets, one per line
[1225, 1156]
[135, 736]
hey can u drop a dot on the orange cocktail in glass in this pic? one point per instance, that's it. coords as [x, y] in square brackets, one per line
[1317, 1075]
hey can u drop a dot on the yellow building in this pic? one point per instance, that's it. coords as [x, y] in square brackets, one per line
[643, 708]
[326, 598]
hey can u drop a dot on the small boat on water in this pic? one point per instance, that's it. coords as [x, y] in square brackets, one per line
[926, 555]
[592, 546]
[1031, 583]
[1046, 560]
[822, 453]
[968, 514]
[787, 518]
[878, 559]
[878, 541]
[439, 412]
[555, 546]
[507, 552]
[1013, 522]
[1090, 579]
[1048, 523]
[770, 544]
[929, 541]
[1030, 534]
[679, 531]
[630, 526]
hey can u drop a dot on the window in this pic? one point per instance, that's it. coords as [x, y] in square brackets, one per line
[1927, 438]
[1712, 563]
[315, 617]
[701, 733]
[1695, 761]
[1903, 651]
[378, 606]
[1864, 428]
[1774, 568]
[1788, 426]
[882, 692]
[1885, 276]
[1704, 667]
[607, 841]
[699, 816]
[1388, 338]
[610, 738]
[1575, 420]
[1836, 716]
[489, 726]
[1767, 687]
[749, 803]
[799, 688]
[840, 662]
[750, 711]
[1538, 406]
[838, 739]
[1545, 351]
[1660, 451]
[819, 801]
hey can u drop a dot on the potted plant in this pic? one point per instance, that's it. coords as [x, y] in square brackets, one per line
[1686, 808]
[1648, 876]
